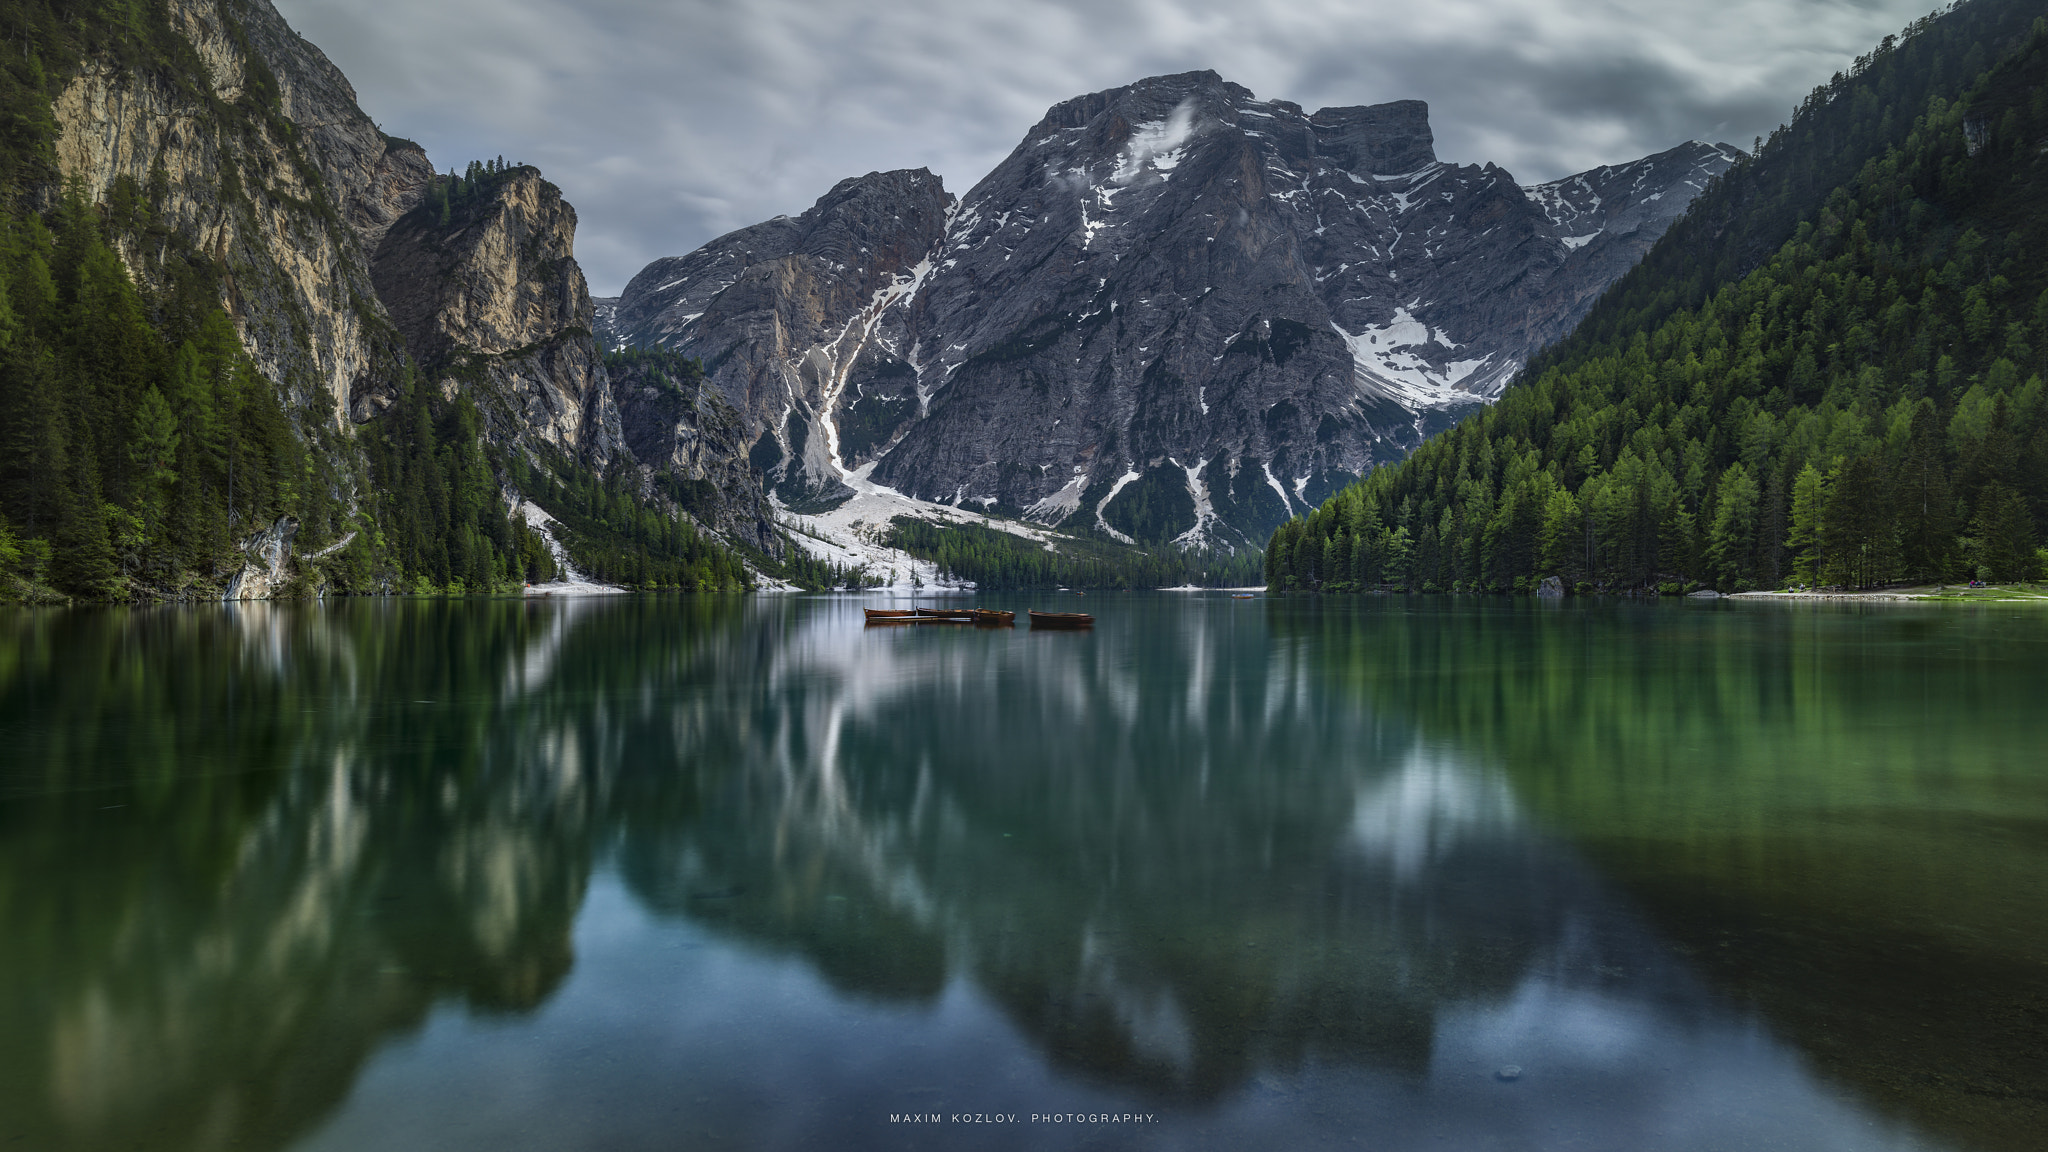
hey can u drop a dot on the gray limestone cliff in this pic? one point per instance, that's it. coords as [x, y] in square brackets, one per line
[481, 280]
[257, 158]
[800, 324]
[692, 445]
[490, 301]
[1175, 312]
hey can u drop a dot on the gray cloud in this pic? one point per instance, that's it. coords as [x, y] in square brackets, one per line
[668, 122]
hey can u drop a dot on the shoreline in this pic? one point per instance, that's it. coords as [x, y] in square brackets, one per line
[1925, 594]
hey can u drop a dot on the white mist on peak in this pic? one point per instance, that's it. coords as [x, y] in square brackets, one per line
[1156, 142]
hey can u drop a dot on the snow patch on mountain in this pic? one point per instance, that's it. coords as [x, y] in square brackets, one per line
[1388, 363]
[571, 581]
[852, 535]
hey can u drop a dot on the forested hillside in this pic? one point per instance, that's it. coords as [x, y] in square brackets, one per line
[148, 450]
[136, 440]
[993, 558]
[1864, 407]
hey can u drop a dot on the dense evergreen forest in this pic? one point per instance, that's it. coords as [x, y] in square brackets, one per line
[995, 559]
[141, 451]
[1862, 406]
[137, 442]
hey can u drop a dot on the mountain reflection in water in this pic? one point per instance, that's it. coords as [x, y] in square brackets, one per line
[737, 873]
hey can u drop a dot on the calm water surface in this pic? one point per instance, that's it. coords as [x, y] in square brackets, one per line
[647, 873]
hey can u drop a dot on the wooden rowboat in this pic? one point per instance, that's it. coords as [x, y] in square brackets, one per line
[988, 616]
[1062, 620]
[905, 619]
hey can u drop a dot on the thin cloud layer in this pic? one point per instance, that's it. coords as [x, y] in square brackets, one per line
[669, 122]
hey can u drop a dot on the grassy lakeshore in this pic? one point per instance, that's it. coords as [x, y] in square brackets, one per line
[1989, 594]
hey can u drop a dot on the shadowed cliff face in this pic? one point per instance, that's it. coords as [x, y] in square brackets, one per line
[675, 423]
[1170, 293]
[802, 325]
[373, 178]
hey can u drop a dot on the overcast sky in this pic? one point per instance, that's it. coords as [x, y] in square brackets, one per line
[669, 122]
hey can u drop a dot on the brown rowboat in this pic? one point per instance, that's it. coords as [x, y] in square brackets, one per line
[988, 616]
[1062, 620]
[883, 618]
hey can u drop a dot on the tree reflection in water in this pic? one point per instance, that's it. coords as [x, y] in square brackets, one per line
[1186, 857]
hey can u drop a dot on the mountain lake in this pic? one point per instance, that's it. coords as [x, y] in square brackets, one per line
[1383, 873]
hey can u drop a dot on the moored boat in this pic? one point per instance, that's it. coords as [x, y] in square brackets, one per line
[1062, 620]
[993, 616]
[889, 613]
[947, 613]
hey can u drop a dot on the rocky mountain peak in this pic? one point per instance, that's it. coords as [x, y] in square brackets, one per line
[866, 230]
[1151, 98]
[1174, 312]
[1376, 140]
[481, 280]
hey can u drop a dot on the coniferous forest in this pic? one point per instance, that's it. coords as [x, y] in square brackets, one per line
[1863, 405]
[139, 442]
[993, 558]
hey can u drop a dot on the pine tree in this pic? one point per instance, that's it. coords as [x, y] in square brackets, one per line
[1924, 502]
[1563, 545]
[1731, 542]
[2005, 535]
[153, 456]
[1858, 538]
[1809, 497]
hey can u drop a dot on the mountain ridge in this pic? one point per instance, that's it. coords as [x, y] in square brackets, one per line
[1175, 314]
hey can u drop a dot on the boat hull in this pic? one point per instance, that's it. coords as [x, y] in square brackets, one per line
[1062, 620]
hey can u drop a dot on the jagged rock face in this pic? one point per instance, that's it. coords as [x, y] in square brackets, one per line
[798, 319]
[491, 301]
[1175, 312]
[299, 288]
[604, 311]
[1609, 217]
[375, 179]
[676, 423]
[268, 553]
